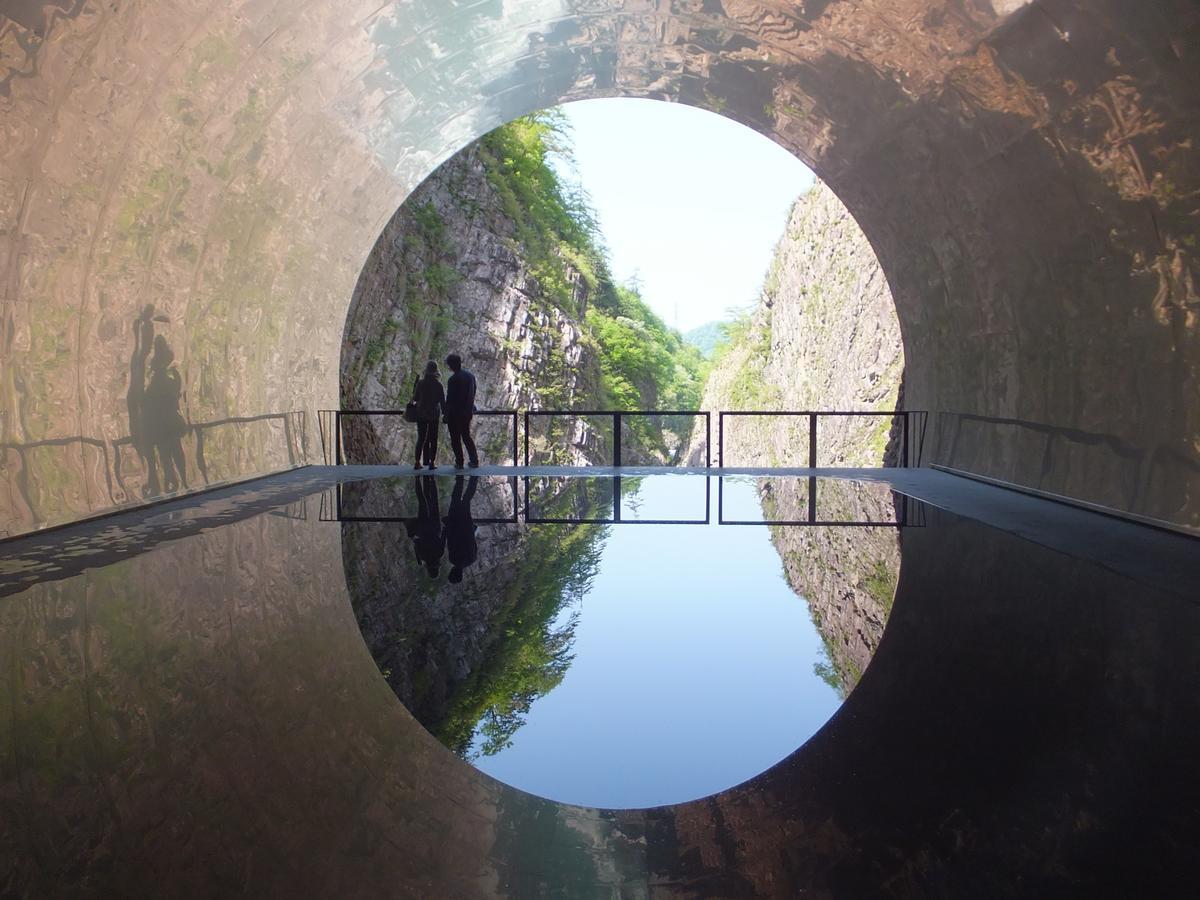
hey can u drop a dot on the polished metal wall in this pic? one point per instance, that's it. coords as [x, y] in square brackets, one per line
[188, 191]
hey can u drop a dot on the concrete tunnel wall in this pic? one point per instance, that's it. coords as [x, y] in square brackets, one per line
[1026, 172]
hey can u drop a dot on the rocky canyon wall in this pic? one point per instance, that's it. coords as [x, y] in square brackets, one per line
[449, 274]
[823, 336]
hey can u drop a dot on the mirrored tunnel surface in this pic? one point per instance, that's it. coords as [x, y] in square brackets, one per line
[176, 714]
[604, 641]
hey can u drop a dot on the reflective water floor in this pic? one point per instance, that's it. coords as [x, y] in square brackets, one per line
[615, 645]
[205, 698]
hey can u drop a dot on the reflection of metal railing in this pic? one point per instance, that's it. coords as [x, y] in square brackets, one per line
[332, 443]
[333, 509]
[911, 419]
[616, 518]
[617, 417]
[905, 516]
[909, 511]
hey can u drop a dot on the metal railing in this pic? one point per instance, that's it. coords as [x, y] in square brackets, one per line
[617, 418]
[330, 421]
[909, 511]
[813, 415]
[333, 508]
[912, 433]
[617, 503]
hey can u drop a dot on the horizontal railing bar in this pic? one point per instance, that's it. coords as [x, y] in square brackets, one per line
[610, 412]
[817, 412]
[400, 412]
[806, 522]
[616, 412]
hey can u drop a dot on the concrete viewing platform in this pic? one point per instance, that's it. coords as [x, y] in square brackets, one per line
[1152, 556]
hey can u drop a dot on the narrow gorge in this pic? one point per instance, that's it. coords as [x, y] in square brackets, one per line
[496, 257]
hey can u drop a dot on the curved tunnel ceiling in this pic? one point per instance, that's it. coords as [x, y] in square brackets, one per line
[1025, 171]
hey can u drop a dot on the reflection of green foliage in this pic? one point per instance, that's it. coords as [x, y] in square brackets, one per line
[533, 655]
[880, 583]
[824, 669]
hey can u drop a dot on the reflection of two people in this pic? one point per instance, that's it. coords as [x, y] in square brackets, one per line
[156, 424]
[432, 535]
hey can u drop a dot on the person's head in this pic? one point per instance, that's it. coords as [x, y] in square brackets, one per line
[163, 354]
[431, 369]
[455, 575]
[454, 361]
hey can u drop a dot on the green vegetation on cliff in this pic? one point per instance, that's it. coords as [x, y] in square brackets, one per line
[644, 363]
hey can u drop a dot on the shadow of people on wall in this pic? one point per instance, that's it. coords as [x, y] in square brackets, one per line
[460, 529]
[425, 528]
[162, 421]
[143, 341]
[156, 422]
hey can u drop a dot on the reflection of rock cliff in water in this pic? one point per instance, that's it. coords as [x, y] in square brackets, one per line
[470, 655]
[847, 574]
[824, 335]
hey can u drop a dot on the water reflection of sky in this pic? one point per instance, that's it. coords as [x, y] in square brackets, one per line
[693, 670]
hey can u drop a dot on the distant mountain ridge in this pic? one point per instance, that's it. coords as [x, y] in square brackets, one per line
[705, 337]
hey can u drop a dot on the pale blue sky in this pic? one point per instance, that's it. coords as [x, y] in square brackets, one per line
[691, 201]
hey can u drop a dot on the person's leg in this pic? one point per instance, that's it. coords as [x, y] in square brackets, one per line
[180, 461]
[420, 444]
[422, 505]
[454, 426]
[151, 457]
[472, 453]
[169, 482]
[431, 444]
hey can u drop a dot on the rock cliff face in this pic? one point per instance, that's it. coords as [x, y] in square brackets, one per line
[448, 274]
[824, 336]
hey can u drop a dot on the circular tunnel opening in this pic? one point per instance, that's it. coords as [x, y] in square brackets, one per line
[605, 641]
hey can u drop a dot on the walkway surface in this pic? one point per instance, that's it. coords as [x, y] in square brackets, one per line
[1154, 557]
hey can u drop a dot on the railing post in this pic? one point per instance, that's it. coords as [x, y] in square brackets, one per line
[707, 439]
[616, 439]
[721, 438]
[812, 499]
[337, 438]
[526, 455]
[904, 449]
[516, 460]
[812, 440]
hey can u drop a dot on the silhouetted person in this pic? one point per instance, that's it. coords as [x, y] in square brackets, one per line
[431, 401]
[135, 397]
[162, 422]
[460, 407]
[426, 529]
[460, 529]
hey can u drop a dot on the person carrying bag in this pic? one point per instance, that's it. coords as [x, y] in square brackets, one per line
[429, 399]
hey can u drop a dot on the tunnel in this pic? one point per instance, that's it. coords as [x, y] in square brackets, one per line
[212, 176]
[1023, 170]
